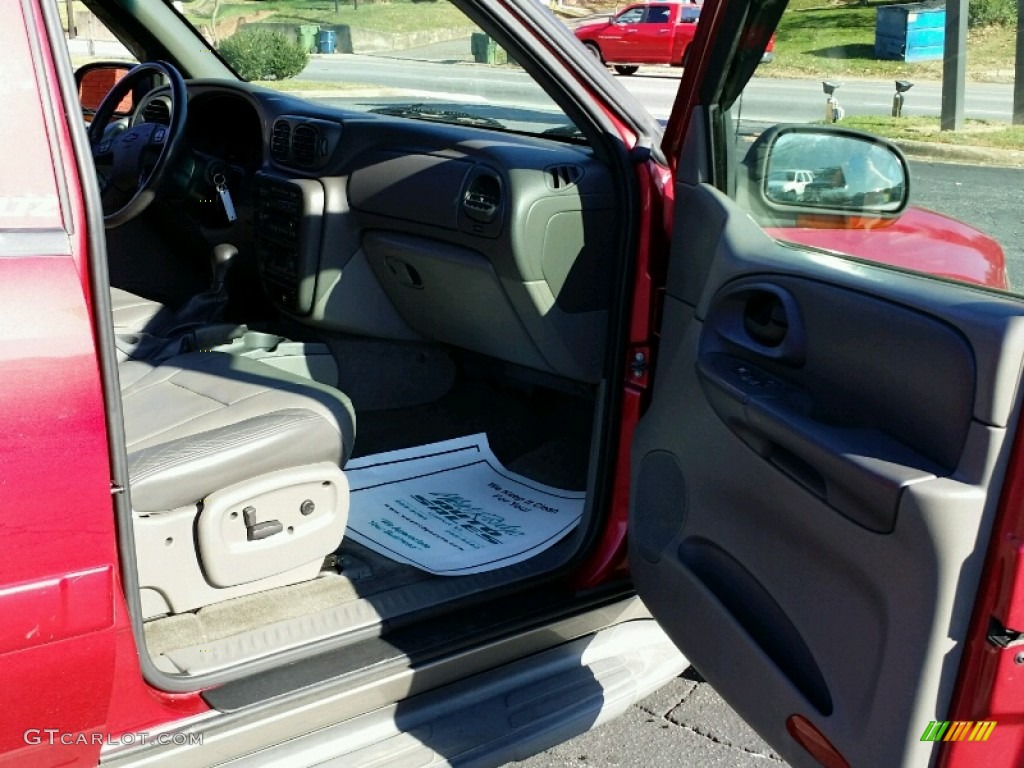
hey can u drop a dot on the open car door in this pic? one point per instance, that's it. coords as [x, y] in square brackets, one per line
[818, 475]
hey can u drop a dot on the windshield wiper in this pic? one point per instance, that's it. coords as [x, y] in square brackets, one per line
[426, 112]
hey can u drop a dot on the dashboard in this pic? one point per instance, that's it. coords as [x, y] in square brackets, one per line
[370, 224]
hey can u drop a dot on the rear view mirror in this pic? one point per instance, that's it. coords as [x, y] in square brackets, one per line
[95, 81]
[829, 170]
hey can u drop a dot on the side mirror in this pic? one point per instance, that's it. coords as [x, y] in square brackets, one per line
[828, 170]
[95, 81]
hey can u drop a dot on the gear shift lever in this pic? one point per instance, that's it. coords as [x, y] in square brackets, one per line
[198, 324]
[208, 307]
[220, 262]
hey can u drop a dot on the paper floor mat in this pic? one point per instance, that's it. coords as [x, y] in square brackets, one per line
[452, 509]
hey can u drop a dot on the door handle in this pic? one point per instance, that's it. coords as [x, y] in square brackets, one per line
[762, 318]
[765, 320]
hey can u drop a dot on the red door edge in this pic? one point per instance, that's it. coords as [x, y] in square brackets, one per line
[133, 705]
[655, 195]
[990, 683]
[687, 97]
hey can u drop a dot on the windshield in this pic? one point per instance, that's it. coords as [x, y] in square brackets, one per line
[421, 60]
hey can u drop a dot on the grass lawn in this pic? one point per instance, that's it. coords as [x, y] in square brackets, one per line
[833, 38]
[397, 16]
[976, 133]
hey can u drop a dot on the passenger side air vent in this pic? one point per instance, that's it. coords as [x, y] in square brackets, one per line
[305, 141]
[280, 140]
[563, 176]
[157, 111]
[482, 200]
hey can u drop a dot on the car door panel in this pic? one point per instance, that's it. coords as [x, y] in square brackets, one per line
[815, 479]
[654, 37]
[617, 40]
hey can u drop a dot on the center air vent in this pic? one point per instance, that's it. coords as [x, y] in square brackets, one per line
[157, 111]
[280, 140]
[297, 141]
[563, 176]
[305, 141]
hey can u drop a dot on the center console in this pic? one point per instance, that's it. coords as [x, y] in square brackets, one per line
[288, 215]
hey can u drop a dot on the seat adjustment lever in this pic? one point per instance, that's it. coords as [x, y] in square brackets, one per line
[255, 531]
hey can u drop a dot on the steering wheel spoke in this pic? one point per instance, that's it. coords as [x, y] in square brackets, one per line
[133, 164]
[101, 150]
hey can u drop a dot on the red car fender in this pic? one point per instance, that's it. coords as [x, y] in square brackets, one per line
[919, 240]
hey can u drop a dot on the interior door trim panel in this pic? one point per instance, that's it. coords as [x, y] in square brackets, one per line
[831, 430]
[860, 472]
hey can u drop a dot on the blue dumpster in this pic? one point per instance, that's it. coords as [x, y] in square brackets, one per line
[325, 41]
[911, 32]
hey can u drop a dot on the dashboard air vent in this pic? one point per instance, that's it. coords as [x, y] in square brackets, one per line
[482, 200]
[280, 140]
[305, 141]
[157, 111]
[563, 176]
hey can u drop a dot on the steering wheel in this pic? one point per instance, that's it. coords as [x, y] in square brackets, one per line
[132, 165]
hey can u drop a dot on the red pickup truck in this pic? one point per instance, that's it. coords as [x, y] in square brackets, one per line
[646, 33]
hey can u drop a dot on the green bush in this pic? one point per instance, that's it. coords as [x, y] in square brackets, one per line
[262, 54]
[986, 13]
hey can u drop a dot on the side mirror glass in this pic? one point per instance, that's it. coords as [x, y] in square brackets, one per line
[95, 81]
[834, 170]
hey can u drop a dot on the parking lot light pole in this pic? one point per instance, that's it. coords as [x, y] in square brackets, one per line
[1018, 74]
[954, 66]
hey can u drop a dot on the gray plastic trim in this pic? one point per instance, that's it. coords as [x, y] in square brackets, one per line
[536, 694]
[362, 616]
[34, 243]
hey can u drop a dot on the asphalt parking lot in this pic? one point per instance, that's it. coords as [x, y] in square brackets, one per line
[683, 725]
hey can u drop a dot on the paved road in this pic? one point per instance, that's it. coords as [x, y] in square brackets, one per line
[684, 725]
[989, 199]
[446, 73]
[773, 100]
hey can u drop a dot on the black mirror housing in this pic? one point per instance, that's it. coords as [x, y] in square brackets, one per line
[827, 170]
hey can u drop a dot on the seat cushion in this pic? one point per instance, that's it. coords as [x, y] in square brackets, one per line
[134, 314]
[205, 420]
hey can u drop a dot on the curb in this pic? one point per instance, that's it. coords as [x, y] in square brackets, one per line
[955, 153]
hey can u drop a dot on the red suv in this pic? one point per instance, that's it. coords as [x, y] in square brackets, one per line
[352, 426]
[647, 33]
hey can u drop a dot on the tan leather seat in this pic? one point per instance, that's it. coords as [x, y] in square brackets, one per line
[236, 480]
[134, 314]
